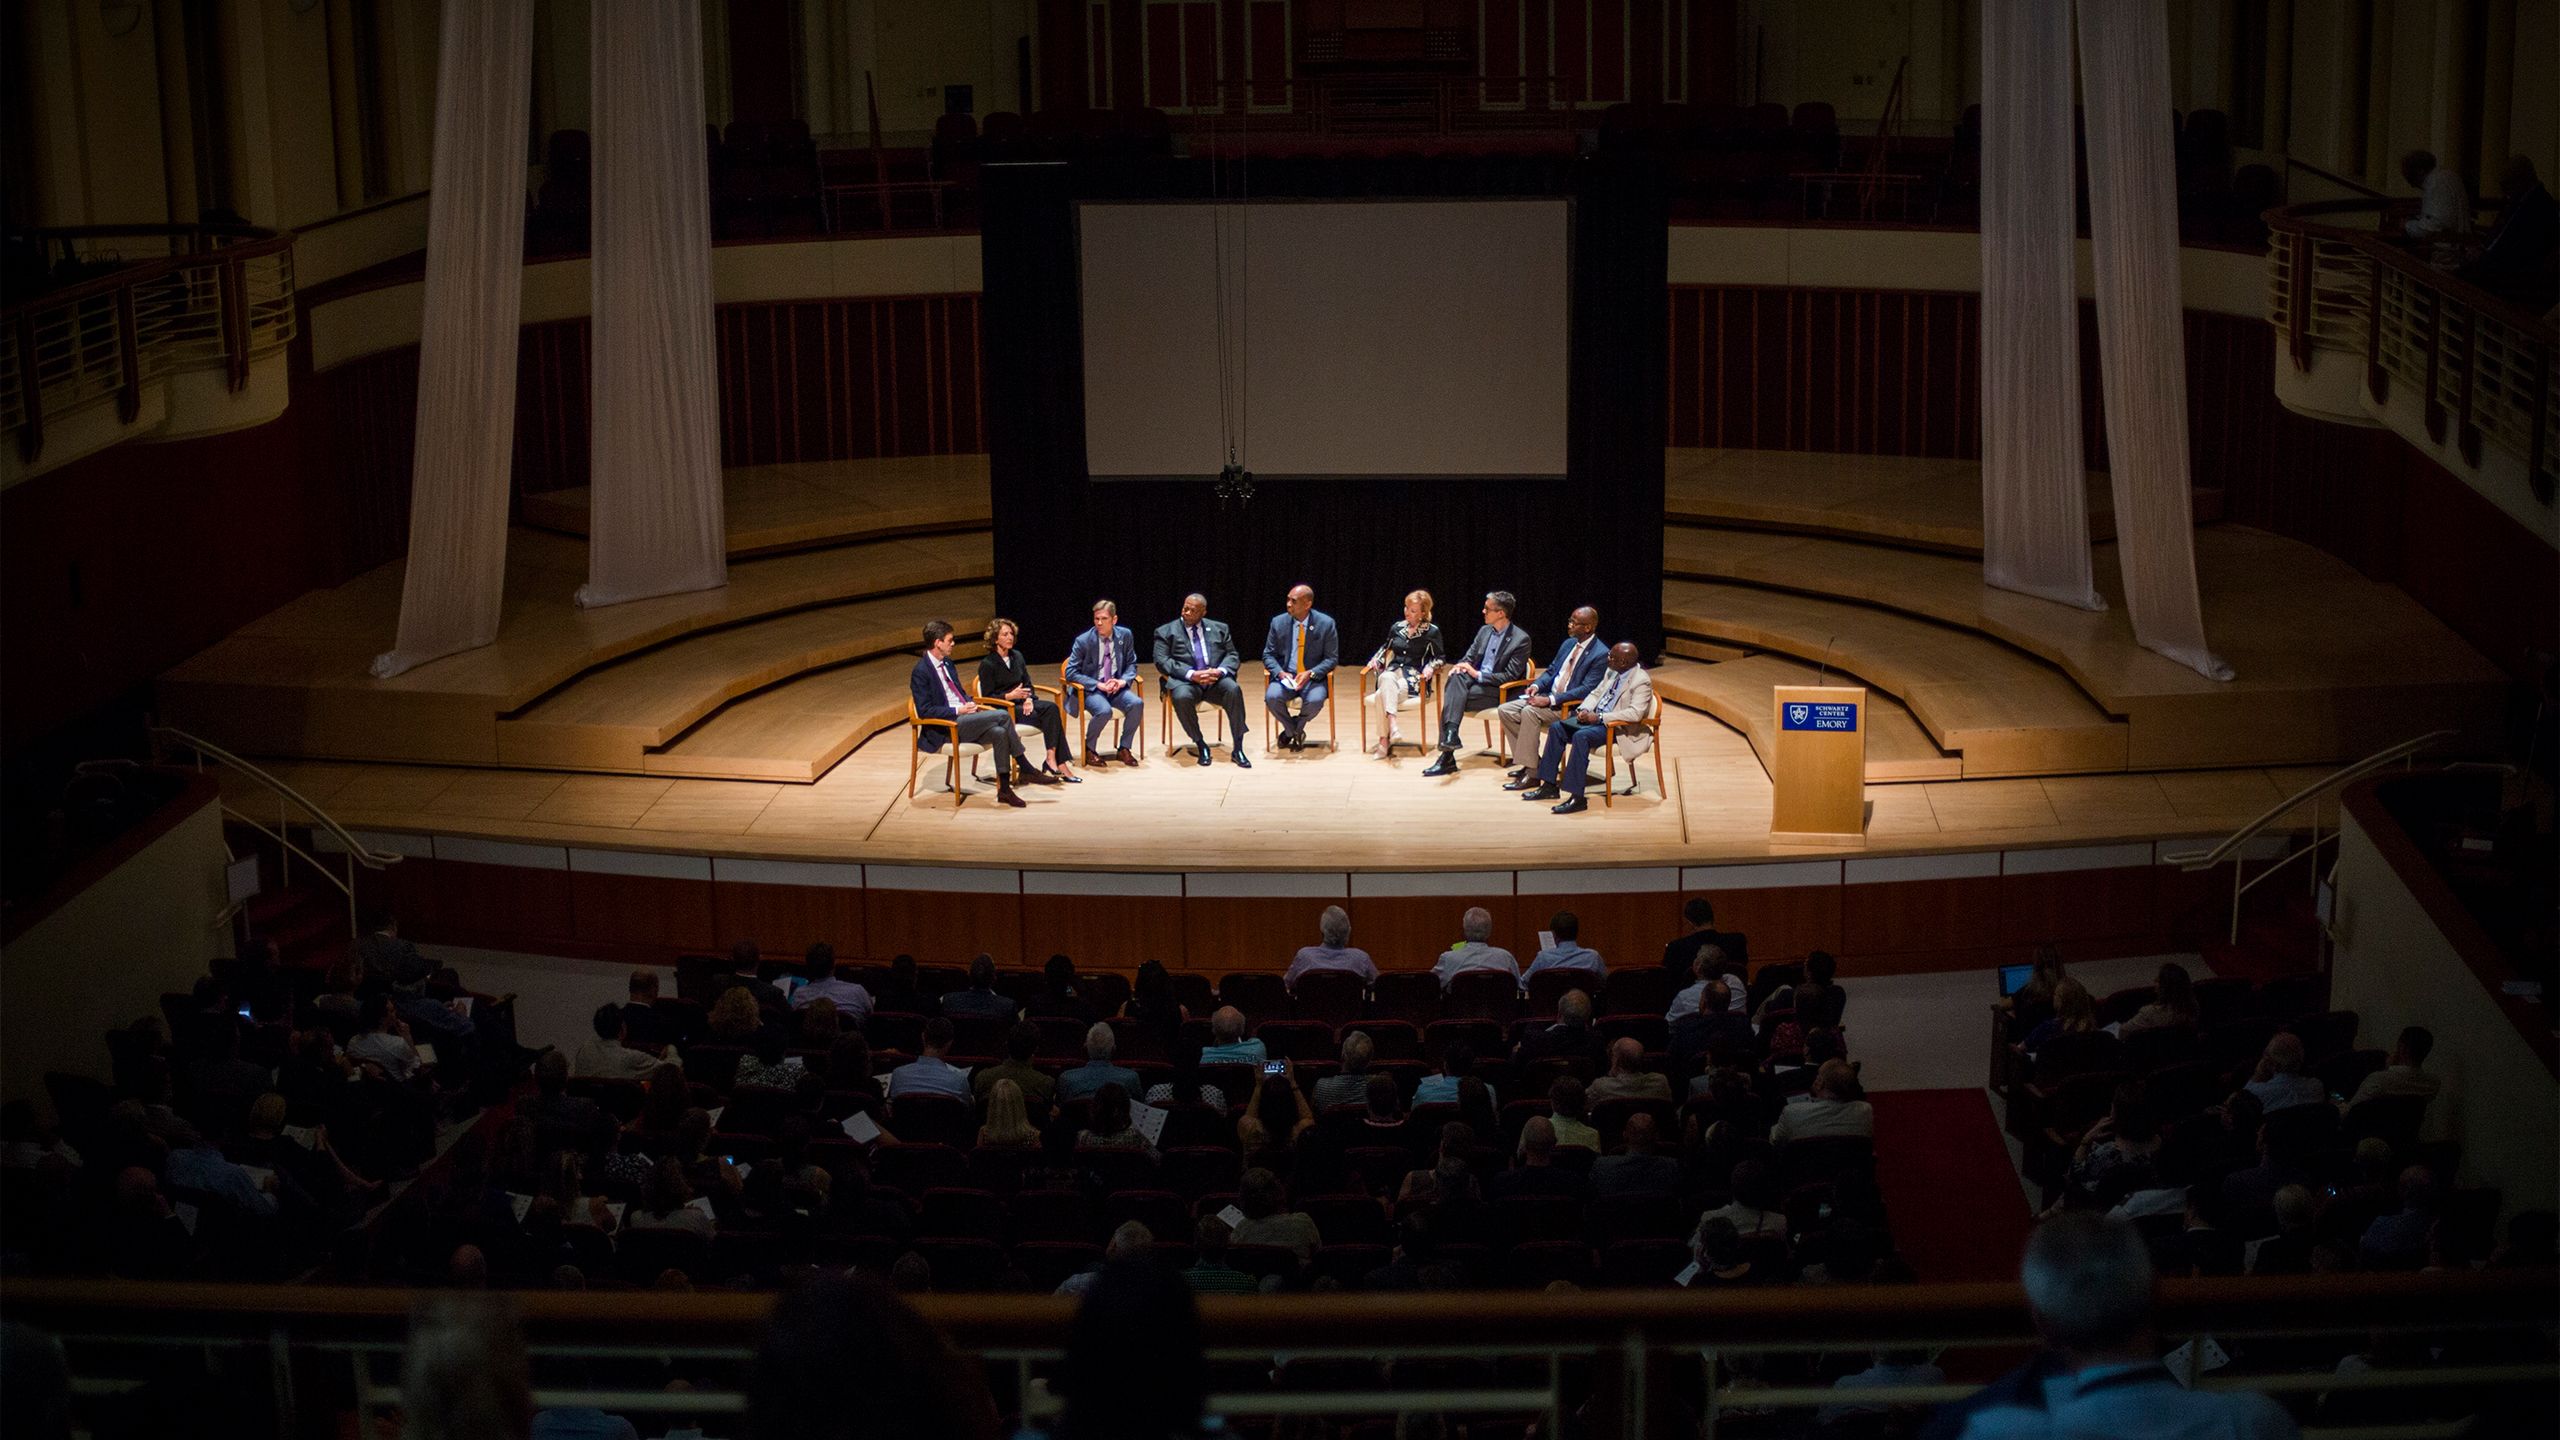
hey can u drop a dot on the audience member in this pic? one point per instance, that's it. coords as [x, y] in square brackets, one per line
[1475, 950]
[1116, 1390]
[2089, 1289]
[1627, 1078]
[818, 981]
[844, 1359]
[2406, 1073]
[1081, 1082]
[1259, 1196]
[1635, 1169]
[1567, 1099]
[1754, 1210]
[821, 1024]
[1680, 957]
[1535, 1172]
[1008, 1124]
[1185, 1088]
[2173, 1003]
[2444, 204]
[1033, 1086]
[1566, 952]
[1210, 1274]
[1110, 1127]
[1153, 1004]
[2279, 1083]
[1834, 1108]
[929, 1073]
[1332, 952]
[1713, 1025]
[1131, 1243]
[464, 1375]
[643, 1027]
[1457, 1062]
[981, 1000]
[1228, 1042]
[1709, 965]
[769, 1066]
[1570, 1038]
[1276, 1114]
[2399, 1241]
[1059, 998]
[1350, 1085]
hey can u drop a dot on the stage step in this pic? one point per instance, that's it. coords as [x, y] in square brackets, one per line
[799, 506]
[1896, 499]
[608, 719]
[2329, 665]
[2005, 712]
[1741, 694]
[795, 731]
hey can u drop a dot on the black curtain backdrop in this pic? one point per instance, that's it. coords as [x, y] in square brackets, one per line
[1592, 538]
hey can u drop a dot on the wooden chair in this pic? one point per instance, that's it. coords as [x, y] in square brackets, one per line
[1071, 703]
[1423, 700]
[1332, 713]
[1165, 731]
[1609, 755]
[1035, 746]
[1497, 739]
[952, 752]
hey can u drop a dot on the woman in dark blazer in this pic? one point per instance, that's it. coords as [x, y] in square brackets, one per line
[1004, 679]
[1403, 665]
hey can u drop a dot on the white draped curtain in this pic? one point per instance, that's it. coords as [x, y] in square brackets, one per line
[2035, 523]
[456, 576]
[2133, 232]
[657, 526]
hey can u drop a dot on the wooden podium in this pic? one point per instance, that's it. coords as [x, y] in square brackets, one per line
[1819, 766]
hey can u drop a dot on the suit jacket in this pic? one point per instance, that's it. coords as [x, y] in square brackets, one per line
[1088, 664]
[1587, 671]
[1324, 645]
[931, 703]
[1175, 660]
[1511, 662]
[1633, 700]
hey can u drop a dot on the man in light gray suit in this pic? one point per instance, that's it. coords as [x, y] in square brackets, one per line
[1197, 658]
[1624, 698]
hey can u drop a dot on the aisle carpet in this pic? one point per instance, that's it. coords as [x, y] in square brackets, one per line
[1950, 1192]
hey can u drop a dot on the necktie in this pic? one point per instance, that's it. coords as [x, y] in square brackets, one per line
[1199, 649]
[1608, 693]
[950, 686]
[1571, 657]
[1298, 657]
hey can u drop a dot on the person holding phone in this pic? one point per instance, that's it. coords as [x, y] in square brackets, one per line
[1276, 1115]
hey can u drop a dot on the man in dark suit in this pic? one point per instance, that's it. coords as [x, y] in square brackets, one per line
[1197, 658]
[1498, 655]
[1568, 682]
[1680, 957]
[1299, 651]
[1102, 676]
[938, 696]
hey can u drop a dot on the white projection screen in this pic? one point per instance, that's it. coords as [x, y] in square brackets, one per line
[1366, 338]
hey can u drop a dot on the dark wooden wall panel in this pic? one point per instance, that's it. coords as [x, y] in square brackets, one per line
[532, 905]
[1408, 932]
[1782, 924]
[1111, 932]
[785, 920]
[643, 910]
[942, 929]
[1903, 916]
[1260, 933]
[2076, 905]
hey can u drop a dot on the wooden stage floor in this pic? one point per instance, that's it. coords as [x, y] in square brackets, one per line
[1312, 811]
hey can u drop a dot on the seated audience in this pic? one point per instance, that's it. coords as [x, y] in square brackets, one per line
[1567, 1099]
[981, 1000]
[1082, 1081]
[2120, 1153]
[1267, 1222]
[844, 1359]
[929, 1073]
[2406, 1073]
[1276, 1114]
[1350, 1085]
[1834, 1107]
[1569, 1038]
[2089, 1284]
[769, 1066]
[668, 1204]
[2279, 1083]
[1709, 965]
[1457, 1063]
[1115, 1390]
[643, 1027]
[818, 982]
[1635, 1169]
[1627, 1078]
[1475, 950]
[1210, 1274]
[1131, 1242]
[2173, 1003]
[2399, 1241]
[1535, 1172]
[1332, 951]
[821, 1025]
[1755, 1211]
[1567, 952]
[1185, 1087]
[1008, 1125]
[1153, 1005]
[1110, 1127]
[1228, 1042]
[1680, 957]
[1035, 1087]
[1059, 996]
[1713, 1025]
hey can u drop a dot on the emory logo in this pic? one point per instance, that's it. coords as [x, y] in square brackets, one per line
[1797, 713]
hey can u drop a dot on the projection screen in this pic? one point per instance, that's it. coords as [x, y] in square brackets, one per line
[1390, 339]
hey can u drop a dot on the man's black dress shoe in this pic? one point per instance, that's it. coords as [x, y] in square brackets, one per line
[1447, 764]
[1574, 806]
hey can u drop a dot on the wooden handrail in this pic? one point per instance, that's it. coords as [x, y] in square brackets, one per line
[146, 270]
[2305, 221]
[2192, 860]
[1776, 1319]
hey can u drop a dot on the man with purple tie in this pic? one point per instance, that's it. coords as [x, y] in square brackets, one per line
[936, 691]
[1197, 658]
[1498, 655]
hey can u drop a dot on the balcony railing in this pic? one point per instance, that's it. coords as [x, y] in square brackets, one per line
[2481, 367]
[222, 298]
[2440, 1346]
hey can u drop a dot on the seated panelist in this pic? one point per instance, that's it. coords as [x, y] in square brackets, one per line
[1104, 661]
[1403, 665]
[1498, 655]
[1577, 669]
[1625, 699]
[1197, 658]
[1300, 651]
[935, 689]
[1004, 678]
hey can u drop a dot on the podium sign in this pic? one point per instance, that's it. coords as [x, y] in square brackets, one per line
[1819, 766]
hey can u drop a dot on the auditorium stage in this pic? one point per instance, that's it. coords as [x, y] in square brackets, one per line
[765, 719]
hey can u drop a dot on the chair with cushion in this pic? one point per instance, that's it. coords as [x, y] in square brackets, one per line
[1259, 994]
[1424, 699]
[922, 1119]
[952, 1211]
[1549, 986]
[1645, 990]
[1482, 995]
[1300, 1040]
[1484, 1037]
[1072, 700]
[1409, 995]
[1195, 1170]
[1497, 740]
[915, 1168]
[1629, 741]
[1347, 1219]
[1328, 997]
[1166, 1215]
[1333, 702]
[1054, 1215]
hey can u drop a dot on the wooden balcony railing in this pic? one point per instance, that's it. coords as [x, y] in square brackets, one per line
[322, 1347]
[2482, 367]
[220, 299]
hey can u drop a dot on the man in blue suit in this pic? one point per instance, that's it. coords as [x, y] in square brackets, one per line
[1498, 655]
[1300, 652]
[1574, 675]
[1103, 663]
[938, 696]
